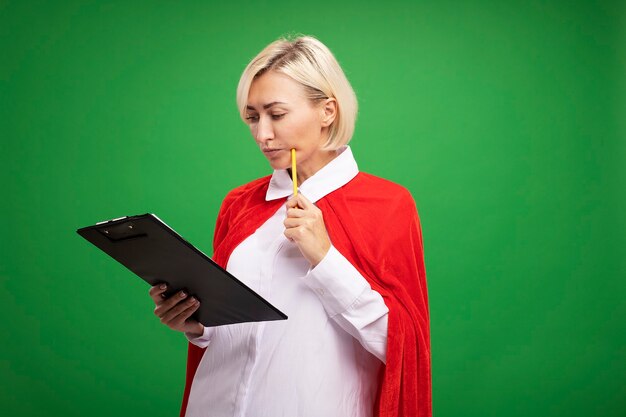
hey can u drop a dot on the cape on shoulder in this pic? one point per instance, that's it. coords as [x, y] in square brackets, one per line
[374, 223]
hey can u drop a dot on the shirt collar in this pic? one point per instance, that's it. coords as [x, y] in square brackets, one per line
[332, 176]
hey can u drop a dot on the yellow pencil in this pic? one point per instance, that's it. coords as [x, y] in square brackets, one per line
[294, 174]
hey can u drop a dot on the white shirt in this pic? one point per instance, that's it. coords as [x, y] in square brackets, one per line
[323, 361]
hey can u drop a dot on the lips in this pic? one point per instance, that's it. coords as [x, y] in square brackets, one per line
[270, 151]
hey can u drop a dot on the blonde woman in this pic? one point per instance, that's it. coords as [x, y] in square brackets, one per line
[343, 259]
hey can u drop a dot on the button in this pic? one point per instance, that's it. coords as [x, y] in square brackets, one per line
[321, 291]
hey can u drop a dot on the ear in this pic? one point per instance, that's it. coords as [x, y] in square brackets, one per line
[329, 112]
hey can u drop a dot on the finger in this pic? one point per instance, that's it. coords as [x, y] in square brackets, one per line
[304, 202]
[294, 233]
[292, 203]
[178, 322]
[297, 222]
[300, 201]
[187, 313]
[295, 212]
[170, 302]
[156, 292]
[171, 316]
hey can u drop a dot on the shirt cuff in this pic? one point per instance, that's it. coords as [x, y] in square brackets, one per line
[337, 283]
[203, 340]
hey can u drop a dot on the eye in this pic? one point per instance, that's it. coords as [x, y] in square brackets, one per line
[278, 116]
[252, 118]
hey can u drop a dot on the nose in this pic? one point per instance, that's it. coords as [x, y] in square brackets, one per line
[263, 131]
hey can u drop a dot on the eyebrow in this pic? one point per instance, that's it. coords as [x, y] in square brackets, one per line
[266, 106]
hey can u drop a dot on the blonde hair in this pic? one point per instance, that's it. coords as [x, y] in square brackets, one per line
[309, 62]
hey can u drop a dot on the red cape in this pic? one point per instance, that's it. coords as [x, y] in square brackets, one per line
[374, 224]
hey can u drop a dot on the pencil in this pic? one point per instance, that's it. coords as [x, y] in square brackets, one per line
[294, 173]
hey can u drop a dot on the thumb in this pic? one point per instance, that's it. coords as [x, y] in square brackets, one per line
[304, 202]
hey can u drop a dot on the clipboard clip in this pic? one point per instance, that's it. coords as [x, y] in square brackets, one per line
[121, 231]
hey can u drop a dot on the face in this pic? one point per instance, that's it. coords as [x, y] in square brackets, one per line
[281, 117]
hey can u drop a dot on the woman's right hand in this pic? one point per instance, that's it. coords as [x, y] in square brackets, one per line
[175, 311]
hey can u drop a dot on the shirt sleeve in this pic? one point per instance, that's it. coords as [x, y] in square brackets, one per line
[349, 300]
[203, 340]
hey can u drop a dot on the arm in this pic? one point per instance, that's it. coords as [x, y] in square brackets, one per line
[350, 301]
[201, 336]
[203, 339]
[176, 311]
[344, 292]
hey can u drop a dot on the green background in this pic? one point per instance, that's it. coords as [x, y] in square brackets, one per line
[506, 121]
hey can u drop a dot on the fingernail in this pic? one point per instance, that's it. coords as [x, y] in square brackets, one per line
[183, 294]
[163, 286]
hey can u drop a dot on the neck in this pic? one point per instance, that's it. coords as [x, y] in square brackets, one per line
[312, 165]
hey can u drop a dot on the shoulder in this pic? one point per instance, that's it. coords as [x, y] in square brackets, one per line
[372, 204]
[378, 192]
[252, 188]
[247, 193]
[372, 213]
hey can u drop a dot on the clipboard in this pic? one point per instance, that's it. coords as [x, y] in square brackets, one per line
[156, 253]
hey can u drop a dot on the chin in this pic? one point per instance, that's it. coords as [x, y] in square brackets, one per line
[279, 165]
[281, 162]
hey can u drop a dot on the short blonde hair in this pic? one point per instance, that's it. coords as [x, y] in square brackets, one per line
[309, 62]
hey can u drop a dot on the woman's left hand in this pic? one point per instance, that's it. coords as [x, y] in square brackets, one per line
[305, 226]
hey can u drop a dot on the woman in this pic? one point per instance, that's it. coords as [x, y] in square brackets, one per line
[343, 259]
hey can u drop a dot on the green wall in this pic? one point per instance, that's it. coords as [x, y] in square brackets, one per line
[506, 120]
